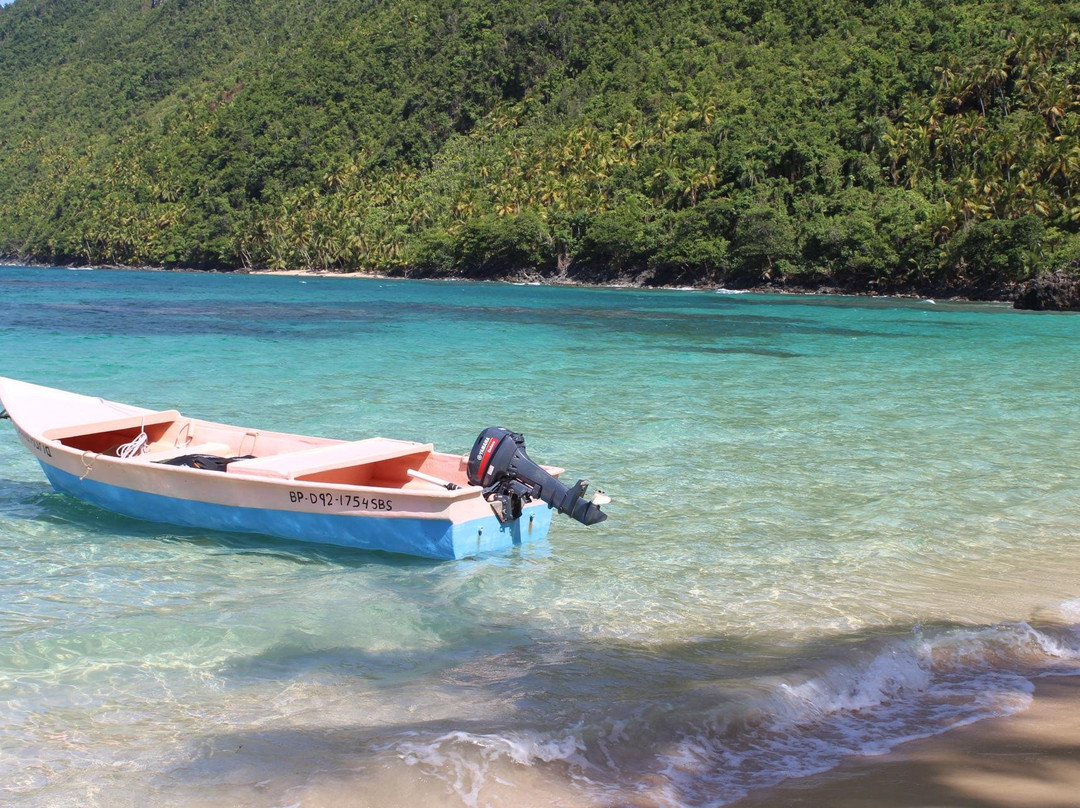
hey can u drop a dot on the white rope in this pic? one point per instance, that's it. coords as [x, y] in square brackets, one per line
[89, 466]
[137, 446]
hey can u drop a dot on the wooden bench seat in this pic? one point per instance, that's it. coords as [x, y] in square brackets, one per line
[290, 465]
[163, 417]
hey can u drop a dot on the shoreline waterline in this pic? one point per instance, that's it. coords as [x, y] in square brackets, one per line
[1030, 758]
[534, 279]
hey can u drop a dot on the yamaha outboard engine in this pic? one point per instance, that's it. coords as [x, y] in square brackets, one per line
[510, 478]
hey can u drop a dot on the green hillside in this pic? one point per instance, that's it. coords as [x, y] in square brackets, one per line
[901, 145]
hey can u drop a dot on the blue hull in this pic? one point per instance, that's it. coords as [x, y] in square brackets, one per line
[427, 538]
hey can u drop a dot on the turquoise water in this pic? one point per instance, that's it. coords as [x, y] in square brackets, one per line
[838, 523]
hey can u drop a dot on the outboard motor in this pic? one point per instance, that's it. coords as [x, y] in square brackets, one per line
[499, 464]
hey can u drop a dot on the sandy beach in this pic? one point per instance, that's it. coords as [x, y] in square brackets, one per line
[316, 273]
[1027, 760]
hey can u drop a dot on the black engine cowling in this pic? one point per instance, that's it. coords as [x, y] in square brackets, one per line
[510, 478]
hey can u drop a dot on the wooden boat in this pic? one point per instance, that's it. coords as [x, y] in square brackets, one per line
[398, 496]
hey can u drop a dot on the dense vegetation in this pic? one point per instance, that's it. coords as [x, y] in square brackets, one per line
[874, 144]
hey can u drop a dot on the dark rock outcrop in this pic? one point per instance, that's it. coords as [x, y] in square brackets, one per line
[1057, 291]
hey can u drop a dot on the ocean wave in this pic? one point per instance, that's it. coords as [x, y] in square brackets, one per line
[466, 760]
[909, 688]
[853, 701]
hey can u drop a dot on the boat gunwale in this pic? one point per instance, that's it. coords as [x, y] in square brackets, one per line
[435, 492]
[194, 424]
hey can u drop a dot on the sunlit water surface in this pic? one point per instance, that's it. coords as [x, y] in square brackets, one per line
[838, 524]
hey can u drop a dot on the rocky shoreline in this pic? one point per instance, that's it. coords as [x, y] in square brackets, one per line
[1057, 291]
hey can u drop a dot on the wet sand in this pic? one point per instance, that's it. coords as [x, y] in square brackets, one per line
[1027, 760]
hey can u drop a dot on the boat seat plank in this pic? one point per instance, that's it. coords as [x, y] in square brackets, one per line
[111, 425]
[290, 465]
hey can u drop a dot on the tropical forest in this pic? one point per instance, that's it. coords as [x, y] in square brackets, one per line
[885, 146]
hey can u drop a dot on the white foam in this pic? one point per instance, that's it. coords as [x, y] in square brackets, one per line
[895, 672]
[468, 762]
[1070, 610]
[1007, 646]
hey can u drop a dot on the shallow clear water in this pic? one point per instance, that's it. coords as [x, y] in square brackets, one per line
[838, 523]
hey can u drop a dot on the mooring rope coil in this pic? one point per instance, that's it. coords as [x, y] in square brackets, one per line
[137, 446]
